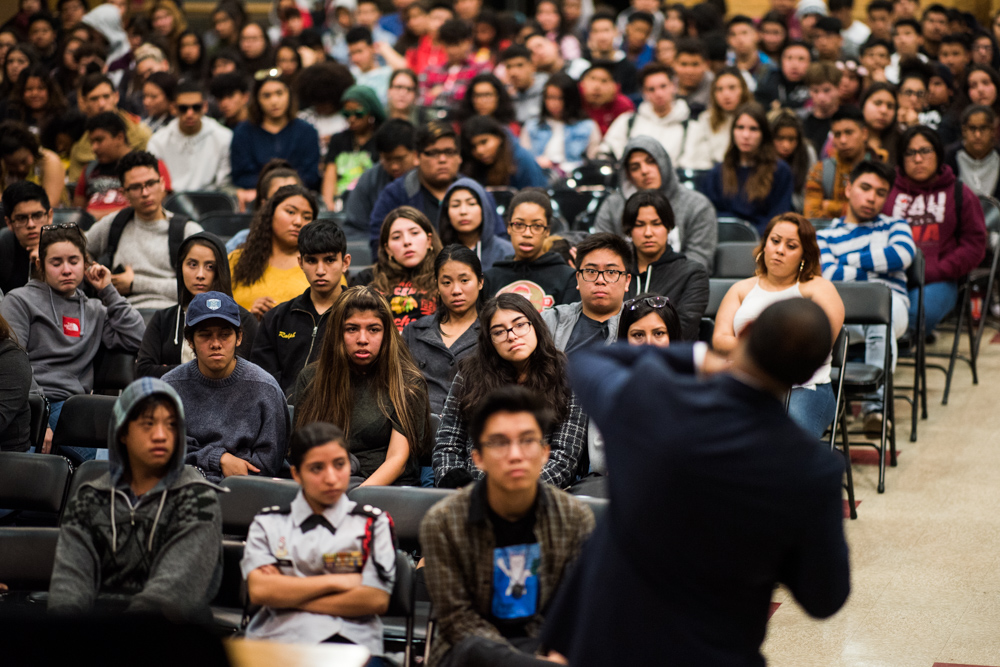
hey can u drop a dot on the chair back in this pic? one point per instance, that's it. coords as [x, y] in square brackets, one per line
[198, 204]
[33, 482]
[570, 205]
[225, 225]
[502, 196]
[692, 178]
[84, 422]
[866, 302]
[734, 230]
[991, 215]
[76, 216]
[39, 406]
[247, 496]
[821, 223]
[27, 556]
[113, 370]
[599, 506]
[594, 174]
[717, 289]
[915, 272]
[232, 575]
[402, 602]
[735, 260]
[406, 504]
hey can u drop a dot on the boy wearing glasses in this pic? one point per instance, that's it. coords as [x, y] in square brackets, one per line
[140, 243]
[195, 149]
[26, 210]
[497, 550]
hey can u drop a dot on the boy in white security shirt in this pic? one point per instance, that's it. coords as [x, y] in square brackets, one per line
[324, 567]
[194, 148]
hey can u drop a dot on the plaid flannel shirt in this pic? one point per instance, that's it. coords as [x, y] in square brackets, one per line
[453, 447]
[452, 83]
[458, 541]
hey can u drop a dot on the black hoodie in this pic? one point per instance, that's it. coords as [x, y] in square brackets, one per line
[546, 282]
[681, 280]
[16, 264]
[160, 351]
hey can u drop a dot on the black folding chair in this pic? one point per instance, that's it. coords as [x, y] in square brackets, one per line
[247, 496]
[502, 196]
[113, 370]
[84, 422]
[717, 289]
[870, 304]
[912, 351]
[76, 216]
[32, 483]
[735, 260]
[225, 225]
[407, 506]
[735, 230]
[402, 605]
[594, 174]
[27, 556]
[988, 270]
[838, 365]
[692, 178]
[198, 204]
[39, 406]
[570, 205]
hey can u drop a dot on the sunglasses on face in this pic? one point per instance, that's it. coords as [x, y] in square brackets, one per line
[184, 108]
[360, 113]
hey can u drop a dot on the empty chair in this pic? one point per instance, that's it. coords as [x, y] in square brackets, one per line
[248, 496]
[33, 482]
[84, 422]
[113, 370]
[732, 230]
[226, 225]
[502, 196]
[198, 204]
[735, 260]
[570, 205]
[407, 506]
[27, 556]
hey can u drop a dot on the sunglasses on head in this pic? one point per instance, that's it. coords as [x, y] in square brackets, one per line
[651, 301]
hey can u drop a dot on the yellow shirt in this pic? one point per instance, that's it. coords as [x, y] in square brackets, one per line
[279, 284]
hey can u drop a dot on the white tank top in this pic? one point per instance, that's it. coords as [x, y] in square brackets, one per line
[754, 304]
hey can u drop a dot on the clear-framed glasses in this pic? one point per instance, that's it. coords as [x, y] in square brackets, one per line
[610, 275]
[500, 334]
[498, 444]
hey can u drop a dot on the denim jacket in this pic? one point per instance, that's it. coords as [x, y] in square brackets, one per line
[577, 137]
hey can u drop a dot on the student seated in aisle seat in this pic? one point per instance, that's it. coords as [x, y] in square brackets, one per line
[497, 550]
[602, 278]
[238, 422]
[535, 272]
[140, 242]
[150, 528]
[645, 165]
[291, 334]
[26, 210]
[867, 245]
[515, 347]
[322, 567]
[201, 267]
[61, 328]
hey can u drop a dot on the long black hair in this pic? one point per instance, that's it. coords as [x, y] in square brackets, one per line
[644, 304]
[457, 252]
[485, 370]
[572, 102]
[505, 105]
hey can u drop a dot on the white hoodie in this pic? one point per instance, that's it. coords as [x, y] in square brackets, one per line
[668, 130]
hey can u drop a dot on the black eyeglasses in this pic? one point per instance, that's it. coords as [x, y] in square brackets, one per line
[591, 275]
[651, 301]
[21, 220]
[184, 108]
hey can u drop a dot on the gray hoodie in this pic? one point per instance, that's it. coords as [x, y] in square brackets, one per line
[63, 334]
[163, 549]
[697, 230]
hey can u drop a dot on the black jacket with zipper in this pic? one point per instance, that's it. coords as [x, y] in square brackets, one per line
[290, 336]
[683, 281]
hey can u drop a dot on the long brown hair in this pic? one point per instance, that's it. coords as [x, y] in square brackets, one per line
[397, 381]
[716, 116]
[811, 266]
[502, 170]
[256, 252]
[388, 272]
[765, 158]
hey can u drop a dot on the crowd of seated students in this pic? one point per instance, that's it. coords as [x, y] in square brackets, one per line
[401, 131]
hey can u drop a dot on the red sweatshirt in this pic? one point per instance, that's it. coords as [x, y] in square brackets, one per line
[951, 247]
[605, 115]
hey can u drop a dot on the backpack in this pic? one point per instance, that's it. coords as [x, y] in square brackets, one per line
[175, 236]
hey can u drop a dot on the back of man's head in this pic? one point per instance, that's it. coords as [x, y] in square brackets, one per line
[19, 192]
[454, 32]
[359, 34]
[790, 340]
[322, 237]
[511, 399]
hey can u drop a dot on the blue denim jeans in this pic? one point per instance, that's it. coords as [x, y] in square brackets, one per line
[939, 300]
[813, 408]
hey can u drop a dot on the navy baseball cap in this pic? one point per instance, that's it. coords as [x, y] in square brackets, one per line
[212, 305]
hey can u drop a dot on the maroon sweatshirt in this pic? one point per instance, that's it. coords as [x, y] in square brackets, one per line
[951, 247]
[606, 114]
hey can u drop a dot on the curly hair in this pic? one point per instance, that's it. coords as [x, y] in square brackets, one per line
[484, 370]
[811, 266]
[388, 272]
[256, 252]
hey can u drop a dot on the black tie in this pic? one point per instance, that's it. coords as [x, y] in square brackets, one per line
[317, 520]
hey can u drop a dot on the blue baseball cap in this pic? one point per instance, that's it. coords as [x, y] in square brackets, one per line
[212, 305]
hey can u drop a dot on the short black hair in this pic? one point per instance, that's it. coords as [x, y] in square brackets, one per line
[430, 133]
[108, 121]
[740, 19]
[935, 9]
[313, 435]
[804, 331]
[644, 198]
[603, 241]
[644, 17]
[959, 38]
[880, 169]
[59, 5]
[454, 31]
[877, 5]
[602, 64]
[602, 16]
[838, 5]
[187, 87]
[224, 85]
[311, 38]
[359, 33]
[510, 398]
[873, 42]
[848, 112]
[42, 16]
[19, 192]
[652, 68]
[394, 133]
[831, 25]
[692, 47]
[134, 160]
[322, 237]
[91, 81]
[912, 23]
[515, 51]
[165, 81]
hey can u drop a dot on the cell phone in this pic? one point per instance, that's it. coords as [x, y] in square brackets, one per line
[118, 269]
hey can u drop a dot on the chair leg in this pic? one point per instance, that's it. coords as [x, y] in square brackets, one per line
[964, 300]
[922, 362]
[408, 650]
[427, 639]
[892, 422]
[915, 403]
[850, 472]
[973, 349]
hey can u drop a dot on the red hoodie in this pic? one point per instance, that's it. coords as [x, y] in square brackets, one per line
[952, 248]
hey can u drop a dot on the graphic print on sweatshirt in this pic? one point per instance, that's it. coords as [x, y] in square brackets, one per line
[71, 326]
[531, 291]
[925, 213]
[409, 304]
[515, 580]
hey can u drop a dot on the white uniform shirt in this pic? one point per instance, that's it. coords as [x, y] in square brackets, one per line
[276, 538]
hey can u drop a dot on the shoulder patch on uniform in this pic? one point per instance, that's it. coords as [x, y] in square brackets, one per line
[277, 509]
[367, 510]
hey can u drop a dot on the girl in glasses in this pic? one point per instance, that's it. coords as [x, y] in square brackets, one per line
[61, 328]
[649, 319]
[514, 347]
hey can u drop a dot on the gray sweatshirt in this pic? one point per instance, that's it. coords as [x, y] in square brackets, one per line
[696, 233]
[63, 334]
[163, 549]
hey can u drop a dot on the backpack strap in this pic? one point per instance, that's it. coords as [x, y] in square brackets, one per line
[373, 513]
[829, 176]
[175, 237]
[115, 235]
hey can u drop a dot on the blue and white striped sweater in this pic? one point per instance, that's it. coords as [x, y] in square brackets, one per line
[879, 250]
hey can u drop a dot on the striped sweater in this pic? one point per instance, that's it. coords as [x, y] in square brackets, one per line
[879, 250]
